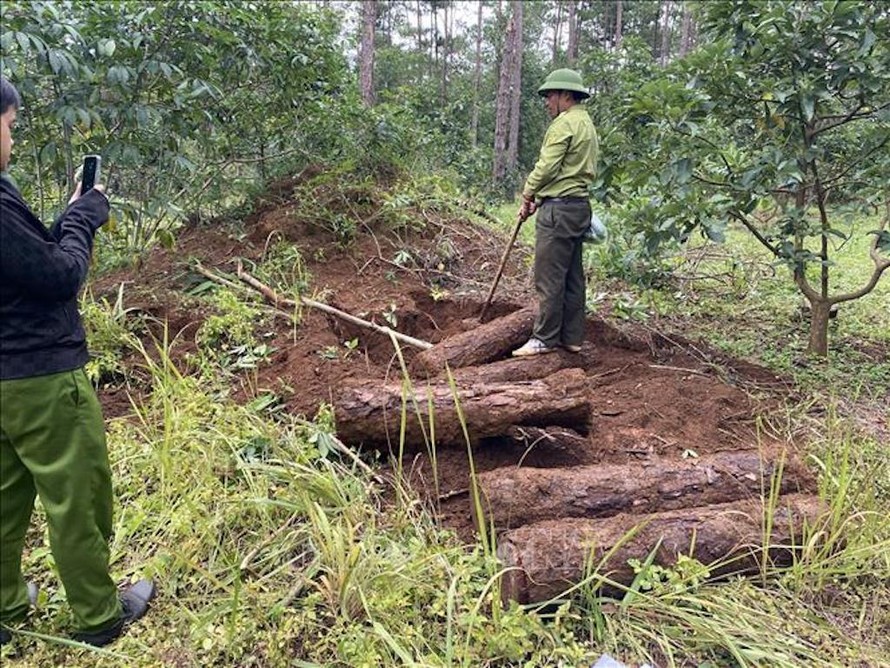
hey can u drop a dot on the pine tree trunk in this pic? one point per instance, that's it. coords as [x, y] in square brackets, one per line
[419, 16]
[686, 39]
[556, 30]
[370, 412]
[664, 51]
[434, 41]
[366, 52]
[572, 19]
[502, 113]
[512, 158]
[520, 496]
[544, 559]
[493, 340]
[446, 51]
[477, 78]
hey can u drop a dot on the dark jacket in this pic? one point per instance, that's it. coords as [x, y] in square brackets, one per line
[41, 273]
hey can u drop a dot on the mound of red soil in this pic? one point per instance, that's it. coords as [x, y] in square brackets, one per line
[651, 397]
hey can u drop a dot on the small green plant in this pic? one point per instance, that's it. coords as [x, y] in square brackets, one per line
[403, 258]
[231, 326]
[284, 270]
[438, 293]
[111, 332]
[329, 353]
[245, 356]
[389, 314]
[351, 346]
[268, 402]
[629, 307]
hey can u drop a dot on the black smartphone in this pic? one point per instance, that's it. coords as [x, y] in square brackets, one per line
[92, 165]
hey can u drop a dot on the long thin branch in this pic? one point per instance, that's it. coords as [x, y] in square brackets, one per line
[711, 182]
[753, 230]
[881, 265]
[851, 116]
[710, 143]
[277, 300]
[838, 120]
[829, 183]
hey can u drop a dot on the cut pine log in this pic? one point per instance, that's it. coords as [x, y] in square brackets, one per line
[371, 413]
[545, 559]
[516, 369]
[482, 344]
[513, 497]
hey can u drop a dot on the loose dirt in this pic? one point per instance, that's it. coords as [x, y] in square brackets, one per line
[652, 396]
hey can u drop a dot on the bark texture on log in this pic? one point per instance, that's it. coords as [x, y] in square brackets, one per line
[516, 369]
[370, 413]
[483, 344]
[546, 558]
[517, 496]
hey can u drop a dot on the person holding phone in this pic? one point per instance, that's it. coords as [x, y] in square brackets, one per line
[52, 435]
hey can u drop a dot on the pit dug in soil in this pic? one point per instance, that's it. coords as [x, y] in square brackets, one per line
[572, 451]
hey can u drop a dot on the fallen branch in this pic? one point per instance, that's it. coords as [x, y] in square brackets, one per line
[216, 278]
[279, 301]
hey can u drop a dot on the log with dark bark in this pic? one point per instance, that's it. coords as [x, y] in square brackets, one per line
[516, 369]
[517, 496]
[370, 412]
[544, 559]
[482, 344]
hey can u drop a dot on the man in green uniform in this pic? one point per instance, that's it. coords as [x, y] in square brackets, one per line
[52, 437]
[557, 189]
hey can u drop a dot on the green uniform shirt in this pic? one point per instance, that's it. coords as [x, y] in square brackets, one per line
[567, 163]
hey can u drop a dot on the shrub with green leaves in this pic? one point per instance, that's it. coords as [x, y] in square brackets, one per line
[111, 332]
[232, 326]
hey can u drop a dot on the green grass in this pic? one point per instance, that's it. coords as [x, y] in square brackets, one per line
[735, 297]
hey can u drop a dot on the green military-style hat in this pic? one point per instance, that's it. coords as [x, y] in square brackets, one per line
[563, 79]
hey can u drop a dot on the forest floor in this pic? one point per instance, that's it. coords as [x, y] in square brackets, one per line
[653, 396]
[272, 547]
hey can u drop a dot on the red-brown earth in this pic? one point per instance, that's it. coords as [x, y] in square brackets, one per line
[652, 396]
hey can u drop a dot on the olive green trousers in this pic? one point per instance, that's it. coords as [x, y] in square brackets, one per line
[559, 274]
[52, 443]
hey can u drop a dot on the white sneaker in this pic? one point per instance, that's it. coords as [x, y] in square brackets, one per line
[532, 347]
[570, 348]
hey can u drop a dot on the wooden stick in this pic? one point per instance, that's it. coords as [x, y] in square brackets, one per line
[497, 277]
[216, 278]
[277, 300]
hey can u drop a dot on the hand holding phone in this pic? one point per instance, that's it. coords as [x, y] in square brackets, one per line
[92, 167]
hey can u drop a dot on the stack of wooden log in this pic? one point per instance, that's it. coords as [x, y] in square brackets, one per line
[557, 524]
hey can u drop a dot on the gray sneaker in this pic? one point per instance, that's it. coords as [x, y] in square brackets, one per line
[533, 347]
